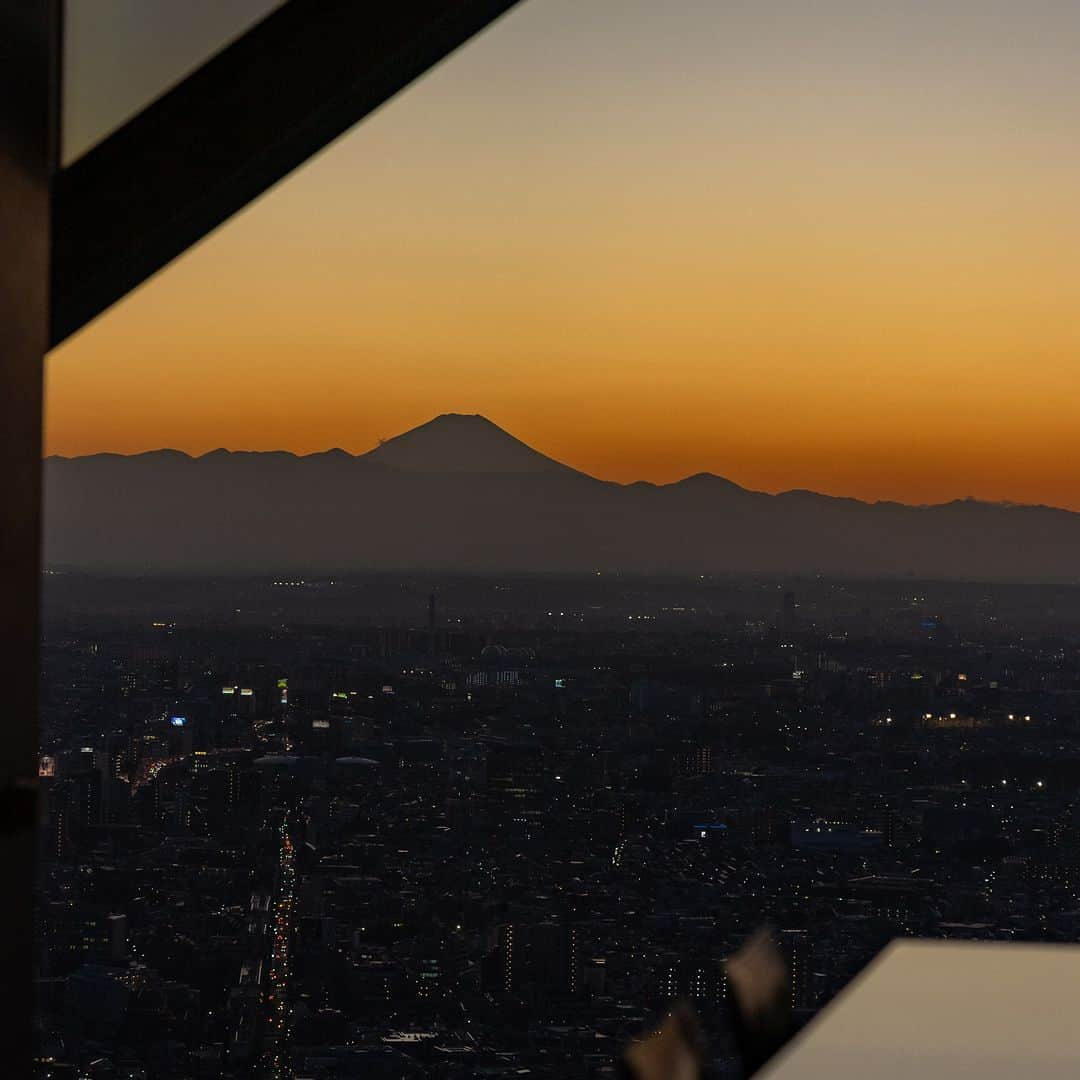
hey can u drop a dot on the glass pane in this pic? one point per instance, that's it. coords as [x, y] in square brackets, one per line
[121, 54]
[476, 756]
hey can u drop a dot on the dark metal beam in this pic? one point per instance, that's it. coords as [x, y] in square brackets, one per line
[28, 83]
[250, 115]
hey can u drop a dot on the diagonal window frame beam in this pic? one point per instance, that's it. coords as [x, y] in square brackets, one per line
[250, 115]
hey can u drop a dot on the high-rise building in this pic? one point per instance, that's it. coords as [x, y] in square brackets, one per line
[117, 937]
[888, 826]
[795, 945]
[540, 957]
[699, 977]
[515, 779]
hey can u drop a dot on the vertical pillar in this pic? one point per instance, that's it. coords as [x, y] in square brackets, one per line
[29, 78]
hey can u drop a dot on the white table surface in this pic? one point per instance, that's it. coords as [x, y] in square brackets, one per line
[937, 1009]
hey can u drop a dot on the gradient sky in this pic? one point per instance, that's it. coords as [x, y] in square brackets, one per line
[121, 54]
[807, 244]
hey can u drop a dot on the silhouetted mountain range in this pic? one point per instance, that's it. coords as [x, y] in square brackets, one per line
[459, 493]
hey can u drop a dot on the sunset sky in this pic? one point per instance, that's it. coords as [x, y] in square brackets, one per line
[822, 244]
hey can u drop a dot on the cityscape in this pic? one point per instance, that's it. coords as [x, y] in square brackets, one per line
[450, 826]
[552, 517]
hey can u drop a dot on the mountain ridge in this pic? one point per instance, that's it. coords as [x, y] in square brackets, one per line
[460, 492]
[373, 455]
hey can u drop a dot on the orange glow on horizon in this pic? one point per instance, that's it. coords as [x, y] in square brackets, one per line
[859, 285]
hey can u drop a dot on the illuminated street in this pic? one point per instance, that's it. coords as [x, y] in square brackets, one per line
[275, 1056]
